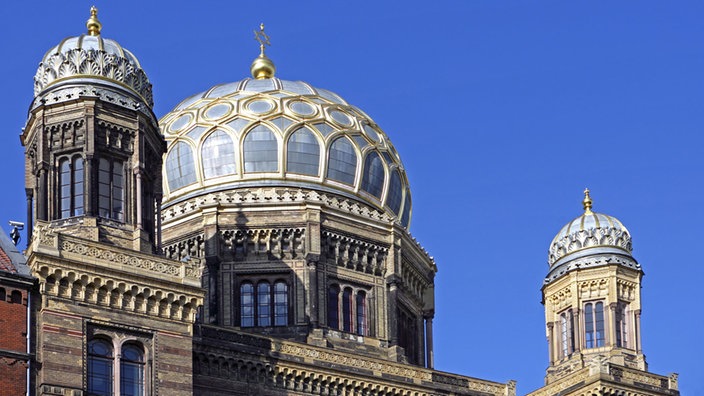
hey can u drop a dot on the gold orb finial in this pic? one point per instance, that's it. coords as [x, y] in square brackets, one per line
[587, 202]
[93, 24]
[262, 67]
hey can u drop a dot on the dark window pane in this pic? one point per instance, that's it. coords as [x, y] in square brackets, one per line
[303, 153]
[342, 162]
[260, 150]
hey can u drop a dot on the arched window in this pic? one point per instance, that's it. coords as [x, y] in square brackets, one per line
[180, 168]
[132, 370]
[361, 313]
[621, 329]
[218, 155]
[406, 210]
[260, 150]
[246, 305]
[111, 189]
[373, 175]
[100, 368]
[566, 333]
[333, 307]
[303, 153]
[395, 195]
[347, 310]
[280, 304]
[71, 187]
[594, 325]
[264, 304]
[342, 163]
[3, 295]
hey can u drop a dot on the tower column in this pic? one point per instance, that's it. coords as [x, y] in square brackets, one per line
[429, 358]
[30, 202]
[42, 212]
[138, 187]
[551, 343]
[636, 332]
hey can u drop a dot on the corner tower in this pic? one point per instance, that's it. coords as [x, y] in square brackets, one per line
[111, 316]
[92, 144]
[592, 310]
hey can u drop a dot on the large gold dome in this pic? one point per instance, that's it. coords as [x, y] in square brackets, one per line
[273, 132]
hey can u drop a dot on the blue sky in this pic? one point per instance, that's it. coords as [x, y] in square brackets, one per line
[502, 111]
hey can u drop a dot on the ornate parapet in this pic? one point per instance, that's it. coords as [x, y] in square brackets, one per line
[353, 253]
[92, 272]
[229, 357]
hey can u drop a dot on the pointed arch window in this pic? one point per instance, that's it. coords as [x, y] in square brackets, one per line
[111, 189]
[303, 153]
[261, 150]
[218, 155]
[393, 199]
[71, 187]
[180, 168]
[333, 307]
[373, 175]
[594, 336]
[342, 162]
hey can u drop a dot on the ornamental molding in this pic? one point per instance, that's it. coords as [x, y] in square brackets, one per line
[247, 244]
[594, 288]
[593, 261]
[79, 62]
[561, 298]
[220, 361]
[626, 290]
[593, 237]
[353, 253]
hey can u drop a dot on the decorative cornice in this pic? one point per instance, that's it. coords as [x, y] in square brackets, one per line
[596, 260]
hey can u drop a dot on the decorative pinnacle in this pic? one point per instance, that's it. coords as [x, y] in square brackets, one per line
[262, 67]
[587, 202]
[93, 24]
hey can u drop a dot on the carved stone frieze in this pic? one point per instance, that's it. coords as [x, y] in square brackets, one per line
[593, 288]
[593, 237]
[115, 137]
[264, 244]
[65, 135]
[626, 290]
[560, 298]
[93, 63]
[353, 253]
[186, 249]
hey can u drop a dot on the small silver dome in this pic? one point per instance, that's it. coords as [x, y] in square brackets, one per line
[590, 233]
[277, 132]
[92, 58]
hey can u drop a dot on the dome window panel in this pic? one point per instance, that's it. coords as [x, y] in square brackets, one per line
[406, 210]
[373, 175]
[260, 150]
[303, 153]
[393, 199]
[180, 123]
[361, 142]
[238, 124]
[196, 133]
[341, 118]
[324, 128]
[180, 168]
[302, 109]
[218, 155]
[282, 123]
[371, 133]
[223, 90]
[331, 96]
[263, 85]
[296, 87]
[260, 106]
[218, 111]
[342, 162]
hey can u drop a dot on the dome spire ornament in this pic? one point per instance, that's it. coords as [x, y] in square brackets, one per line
[587, 202]
[262, 67]
[93, 24]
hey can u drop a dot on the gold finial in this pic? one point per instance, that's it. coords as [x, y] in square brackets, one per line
[93, 24]
[587, 202]
[262, 67]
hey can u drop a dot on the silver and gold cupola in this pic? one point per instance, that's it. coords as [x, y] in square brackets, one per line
[589, 235]
[266, 131]
[88, 65]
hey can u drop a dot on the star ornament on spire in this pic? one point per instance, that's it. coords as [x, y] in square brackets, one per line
[262, 38]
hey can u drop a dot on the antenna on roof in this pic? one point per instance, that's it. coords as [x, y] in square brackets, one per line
[15, 233]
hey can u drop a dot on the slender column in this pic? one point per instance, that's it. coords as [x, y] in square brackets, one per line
[576, 333]
[610, 322]
[30, 195]
[313, 292]
[430, 359]
[158, 197]
[138, 185]
[551, 343]
[392, 319]
[636, 330]
[42, 199]
[91, 187]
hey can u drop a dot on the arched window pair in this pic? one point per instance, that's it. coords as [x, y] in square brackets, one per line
[264, 305]
[347, 310]
[109, 370]
[594, 336]
[71, 187]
